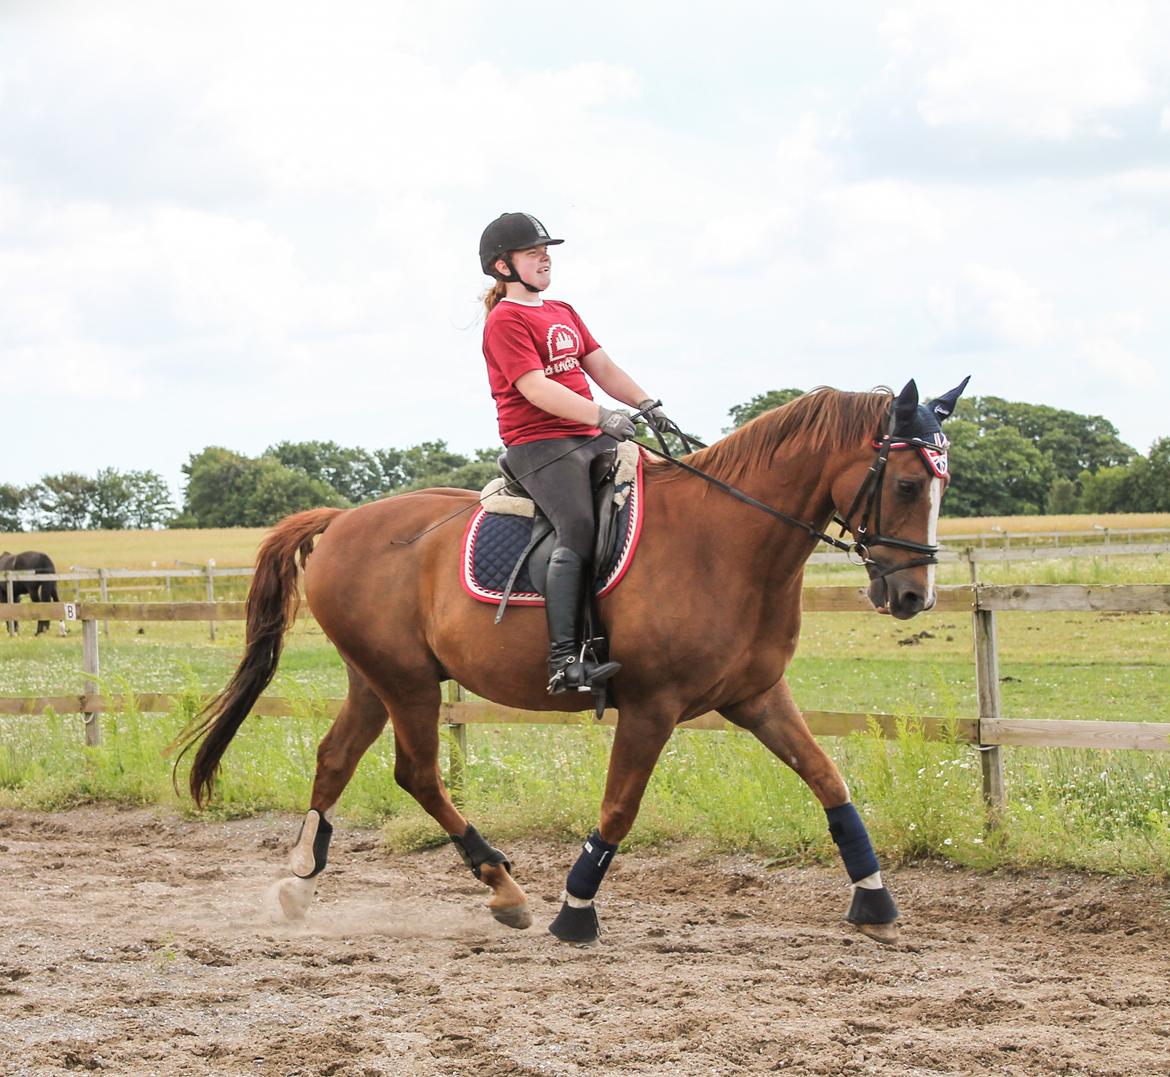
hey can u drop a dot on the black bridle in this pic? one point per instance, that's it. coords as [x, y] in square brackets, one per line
[869, 495]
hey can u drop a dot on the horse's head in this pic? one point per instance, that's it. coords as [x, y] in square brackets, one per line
[890, 502]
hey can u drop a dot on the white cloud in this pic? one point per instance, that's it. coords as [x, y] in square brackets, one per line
[266, 215]
[1047, 70]
[1145, 191]
[80, 369]
[990, 307]
[1121, 366]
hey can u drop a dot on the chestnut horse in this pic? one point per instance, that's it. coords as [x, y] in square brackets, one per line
[706, 619]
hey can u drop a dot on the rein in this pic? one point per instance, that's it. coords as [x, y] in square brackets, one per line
[747, 499]
[870, 491]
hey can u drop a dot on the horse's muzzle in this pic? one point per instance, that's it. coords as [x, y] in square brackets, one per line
[901, 599]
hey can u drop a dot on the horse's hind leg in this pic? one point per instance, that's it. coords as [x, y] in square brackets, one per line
[40, 593]
[775, 720]
[359, 722]
[416, 769]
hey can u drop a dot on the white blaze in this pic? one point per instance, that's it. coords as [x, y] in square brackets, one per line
[932, 536]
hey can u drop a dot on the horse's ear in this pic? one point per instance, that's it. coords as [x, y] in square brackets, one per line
[944, 405]
[906, 405]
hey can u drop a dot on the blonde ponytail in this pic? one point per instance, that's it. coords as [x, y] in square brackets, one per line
[493, 295]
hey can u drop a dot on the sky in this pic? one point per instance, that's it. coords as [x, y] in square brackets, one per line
[243, 223]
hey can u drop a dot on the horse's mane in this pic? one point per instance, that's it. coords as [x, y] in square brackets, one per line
[822, 420]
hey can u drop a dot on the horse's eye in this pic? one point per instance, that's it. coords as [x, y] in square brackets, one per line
[907, 488]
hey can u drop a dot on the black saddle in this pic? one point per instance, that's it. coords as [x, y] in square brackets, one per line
[535, 557]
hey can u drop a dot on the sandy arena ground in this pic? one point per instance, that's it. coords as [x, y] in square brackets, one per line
[134, 943]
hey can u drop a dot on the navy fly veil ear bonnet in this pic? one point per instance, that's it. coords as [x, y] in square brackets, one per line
[919, 426]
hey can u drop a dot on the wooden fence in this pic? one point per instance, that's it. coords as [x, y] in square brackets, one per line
[972, 549]
[989, 731]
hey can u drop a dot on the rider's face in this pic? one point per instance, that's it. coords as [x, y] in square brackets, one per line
[534, 266]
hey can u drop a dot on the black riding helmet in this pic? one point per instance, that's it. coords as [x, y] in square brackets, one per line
[511, 232]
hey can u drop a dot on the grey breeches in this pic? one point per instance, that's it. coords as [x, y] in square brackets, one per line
[561, 489]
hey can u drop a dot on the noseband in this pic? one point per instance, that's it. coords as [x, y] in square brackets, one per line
[869, 493]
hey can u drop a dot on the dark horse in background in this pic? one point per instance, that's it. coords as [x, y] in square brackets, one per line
[706, 619]
[37, 590]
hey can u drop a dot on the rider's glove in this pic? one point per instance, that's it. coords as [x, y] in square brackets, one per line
[656, 417]
[617, 424]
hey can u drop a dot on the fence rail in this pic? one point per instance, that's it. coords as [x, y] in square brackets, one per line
[990, 731]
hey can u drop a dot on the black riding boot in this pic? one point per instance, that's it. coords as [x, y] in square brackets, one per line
[567, 671]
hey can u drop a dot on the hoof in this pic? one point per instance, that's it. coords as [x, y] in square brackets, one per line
[288, 901]
[885, 933]
[874, 913]
[518, 916]
[577, 926]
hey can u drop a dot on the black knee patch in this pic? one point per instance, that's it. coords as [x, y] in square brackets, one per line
[320, 843]
[586, 874]
[476, 852]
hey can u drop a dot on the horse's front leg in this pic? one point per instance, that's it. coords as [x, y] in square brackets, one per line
[775, 720]
[637, 744]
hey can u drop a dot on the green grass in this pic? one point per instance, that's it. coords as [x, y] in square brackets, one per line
[921, 799]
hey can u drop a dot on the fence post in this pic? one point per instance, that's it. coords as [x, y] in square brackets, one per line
[92, 667]
[987, 685]
[211, 591]
[104, 589]
[457, 754]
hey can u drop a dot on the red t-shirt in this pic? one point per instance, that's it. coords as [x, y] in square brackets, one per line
[518, 338]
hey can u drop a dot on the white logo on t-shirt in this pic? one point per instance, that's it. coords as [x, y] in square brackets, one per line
[564, 347]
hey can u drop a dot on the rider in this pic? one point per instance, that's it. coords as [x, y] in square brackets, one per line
[538, 352]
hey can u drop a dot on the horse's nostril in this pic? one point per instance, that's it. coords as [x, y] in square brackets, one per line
[911, 602]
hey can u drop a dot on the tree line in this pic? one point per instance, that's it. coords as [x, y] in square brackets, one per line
[1007, 458]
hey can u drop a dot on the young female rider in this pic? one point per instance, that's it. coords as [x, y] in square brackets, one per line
[538, 352]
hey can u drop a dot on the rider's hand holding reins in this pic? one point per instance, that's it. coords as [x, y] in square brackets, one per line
[653, 414]
[616, 424]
